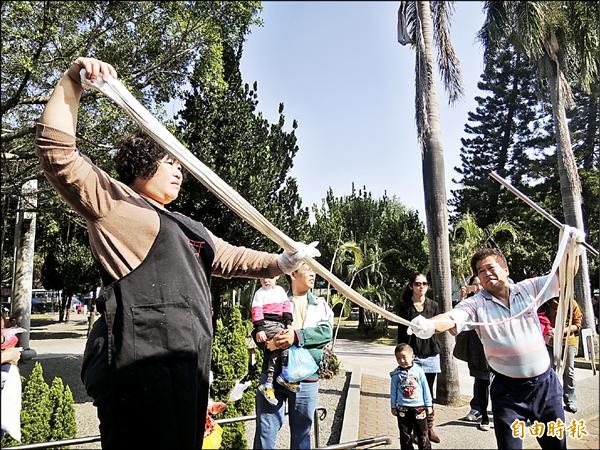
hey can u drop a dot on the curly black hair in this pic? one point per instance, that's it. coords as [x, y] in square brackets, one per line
[138, 156]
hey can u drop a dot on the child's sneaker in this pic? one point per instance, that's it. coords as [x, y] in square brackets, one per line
[293, 387]
[268, 393]
[473, 416]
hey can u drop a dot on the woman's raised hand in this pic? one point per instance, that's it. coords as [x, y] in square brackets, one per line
[93, 68]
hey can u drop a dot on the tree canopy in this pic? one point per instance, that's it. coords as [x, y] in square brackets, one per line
[562, 39]
[154, 46]
[388, 240]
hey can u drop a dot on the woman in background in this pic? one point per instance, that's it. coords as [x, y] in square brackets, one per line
[427, 351]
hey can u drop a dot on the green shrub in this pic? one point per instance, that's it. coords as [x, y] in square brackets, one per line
[62, 422]
[330, 364]
[69, 420]
[36, 408]
[229, 365]
[47, 413]
[8, 441]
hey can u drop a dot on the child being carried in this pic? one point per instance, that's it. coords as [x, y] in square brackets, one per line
[271, 313]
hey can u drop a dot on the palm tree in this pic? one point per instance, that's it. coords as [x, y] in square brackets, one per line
[340, 260]
[340, 255]
[364, 264]
[345, 311]
[563, 38]
[419, 23]
[467, 237]
[380, 296]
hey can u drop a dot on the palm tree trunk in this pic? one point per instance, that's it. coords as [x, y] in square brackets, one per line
[570, 189]
[592, 128]
[436, 210]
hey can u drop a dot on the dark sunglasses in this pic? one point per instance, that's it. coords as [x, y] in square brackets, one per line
[420, 283]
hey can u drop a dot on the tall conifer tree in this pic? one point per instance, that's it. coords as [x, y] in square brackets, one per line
[221, 125]
[506, 123]
[510, 132]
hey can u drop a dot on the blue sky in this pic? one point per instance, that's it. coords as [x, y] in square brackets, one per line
[339, 70]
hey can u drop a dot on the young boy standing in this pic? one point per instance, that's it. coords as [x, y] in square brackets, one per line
[411, 400]
[271, 313]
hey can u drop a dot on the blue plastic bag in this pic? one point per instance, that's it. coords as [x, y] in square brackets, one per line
[301, 364]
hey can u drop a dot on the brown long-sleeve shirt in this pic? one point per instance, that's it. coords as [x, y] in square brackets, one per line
[121, 225]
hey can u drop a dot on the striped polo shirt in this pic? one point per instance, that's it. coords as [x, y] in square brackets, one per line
[514, 348]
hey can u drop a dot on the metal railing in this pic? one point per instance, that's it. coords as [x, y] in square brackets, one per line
[320, 414]
[360, 443]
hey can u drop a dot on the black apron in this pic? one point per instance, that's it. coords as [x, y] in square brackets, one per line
[147, 359]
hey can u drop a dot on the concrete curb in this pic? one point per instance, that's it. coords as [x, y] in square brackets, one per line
[584, 365]
[352, 407]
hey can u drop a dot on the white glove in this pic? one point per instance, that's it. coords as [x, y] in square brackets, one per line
[578, 236]
[98, 83]
[421, 327]
[290, 261]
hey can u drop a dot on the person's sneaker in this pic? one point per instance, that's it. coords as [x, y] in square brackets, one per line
[268, 393]
[292, 387]
[473, 416]
[484, 426]
[571, 408]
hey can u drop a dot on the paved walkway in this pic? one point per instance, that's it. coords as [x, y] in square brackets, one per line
[376, 361]
[63, 344]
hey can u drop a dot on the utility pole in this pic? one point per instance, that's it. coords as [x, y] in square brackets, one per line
[23, 264]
